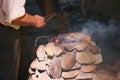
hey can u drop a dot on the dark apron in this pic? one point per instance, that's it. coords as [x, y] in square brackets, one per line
[9, 53]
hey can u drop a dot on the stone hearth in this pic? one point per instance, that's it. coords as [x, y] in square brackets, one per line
[69, 56]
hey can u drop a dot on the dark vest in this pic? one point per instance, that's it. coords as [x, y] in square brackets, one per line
[33, 7]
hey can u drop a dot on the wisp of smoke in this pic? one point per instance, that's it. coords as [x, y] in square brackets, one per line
[97, 30]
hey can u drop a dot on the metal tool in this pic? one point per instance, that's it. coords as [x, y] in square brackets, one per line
[49, 17]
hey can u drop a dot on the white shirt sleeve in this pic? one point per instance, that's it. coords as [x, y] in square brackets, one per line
[12, 9]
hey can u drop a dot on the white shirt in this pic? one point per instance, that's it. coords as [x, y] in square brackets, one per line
[10, 10]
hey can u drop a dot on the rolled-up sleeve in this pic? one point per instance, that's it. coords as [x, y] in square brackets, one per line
[12, 9]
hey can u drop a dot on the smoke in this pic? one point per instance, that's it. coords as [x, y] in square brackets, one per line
[99, 31]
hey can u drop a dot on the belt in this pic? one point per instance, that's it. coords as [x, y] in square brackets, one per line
[8, 29]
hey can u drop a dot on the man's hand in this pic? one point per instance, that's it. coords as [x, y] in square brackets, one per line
[39, 21]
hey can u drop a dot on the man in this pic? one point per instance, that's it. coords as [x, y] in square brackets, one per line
[12, 16]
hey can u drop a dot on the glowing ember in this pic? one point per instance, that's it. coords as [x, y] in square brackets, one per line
[57, 40]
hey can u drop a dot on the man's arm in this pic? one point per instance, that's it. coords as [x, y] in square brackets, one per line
[30, 20]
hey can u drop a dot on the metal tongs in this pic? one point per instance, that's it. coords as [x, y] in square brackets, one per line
[49, 17]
